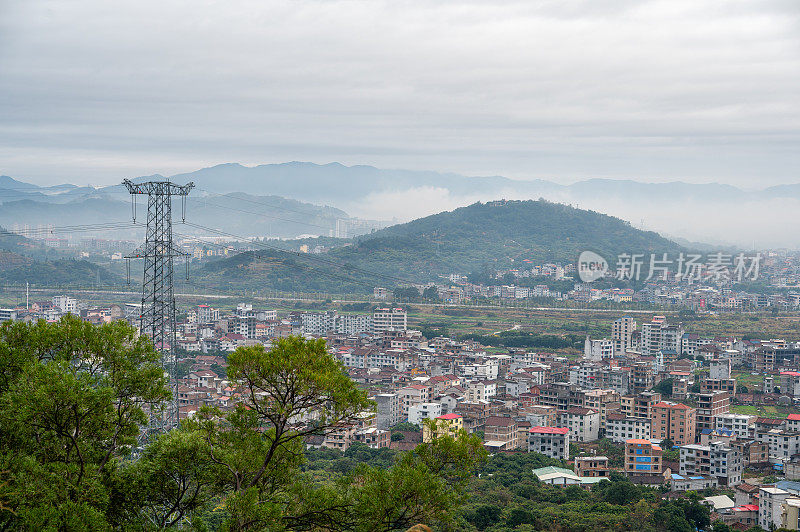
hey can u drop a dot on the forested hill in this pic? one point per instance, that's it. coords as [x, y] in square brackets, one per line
[24, 260]
[497, 235]
[483, 235]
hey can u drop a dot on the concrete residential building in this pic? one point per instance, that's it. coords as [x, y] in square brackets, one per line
[592, 466]
[620, 428]
[643, 457]
[674, 421]
[583, 423]
[549, 441]
[741, 425]
[412, 395]
[388, 410]
[419, 412]
[622, 331]
[66, 304]
[710, 405]
[790, 514]
[782, 444]
[389, 319]
[770, 501]
[446, 425]
[717, 460]
[501, 432]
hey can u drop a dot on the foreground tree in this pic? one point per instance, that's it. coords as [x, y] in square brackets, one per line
[72, 398]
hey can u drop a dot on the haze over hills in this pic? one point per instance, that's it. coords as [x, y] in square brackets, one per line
[23, 260]
[491, 235]
[713, 213]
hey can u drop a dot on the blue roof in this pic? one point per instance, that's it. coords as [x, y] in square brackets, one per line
[705, 431]
[676, 476]
[789, 485]
[695, 478]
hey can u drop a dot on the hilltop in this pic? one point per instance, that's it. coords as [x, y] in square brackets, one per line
[492, 235]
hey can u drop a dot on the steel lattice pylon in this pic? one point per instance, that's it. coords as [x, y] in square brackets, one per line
[157, 318]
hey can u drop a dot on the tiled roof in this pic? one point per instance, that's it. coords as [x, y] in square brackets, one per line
[549, 430]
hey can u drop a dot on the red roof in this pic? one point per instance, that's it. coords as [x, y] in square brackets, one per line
[793, 417]
[449, 416]
[746, 508]
[792, 373]
[549, 430]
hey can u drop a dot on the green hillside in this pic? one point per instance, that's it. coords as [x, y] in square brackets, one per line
[24, 260]
[495, 235]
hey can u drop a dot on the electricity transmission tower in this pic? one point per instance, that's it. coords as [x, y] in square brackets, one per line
[157, 319]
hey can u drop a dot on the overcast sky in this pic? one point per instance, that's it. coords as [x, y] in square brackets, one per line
[95, 90]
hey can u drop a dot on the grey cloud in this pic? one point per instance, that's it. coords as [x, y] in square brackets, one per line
[566, 90]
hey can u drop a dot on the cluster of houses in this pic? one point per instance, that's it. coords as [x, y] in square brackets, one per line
[529, 281]
[659, 395]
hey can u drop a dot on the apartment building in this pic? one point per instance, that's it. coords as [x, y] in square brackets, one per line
[620, 428]
[388, 410]
[622, 334]
[783, 444]
[549, 441]
[417, 413]
[500, 433]
[412, 395]
[673, 421]
[583, 423]
[710, 405]
[770, 501]
[389, 319]
[741, 425]
[717, 460]
[643, 457]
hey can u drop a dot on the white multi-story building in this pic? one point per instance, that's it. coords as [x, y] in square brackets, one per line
[716, 460]
[720, 369]
[353, 324]
[658, 336]
[488, 370]
[740, 424]
[414, 394]
[583, 423]
[7, 314]
[318, 323]
[206, 314]
[586, 375]
[782, 444]
[770, 502]
[66, 304]
[419, 412]
[389, 319]
[620, 428]
[597, 350]
[622, 334]
[481, 390]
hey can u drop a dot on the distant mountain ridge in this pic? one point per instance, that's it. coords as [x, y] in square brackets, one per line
[673, 208]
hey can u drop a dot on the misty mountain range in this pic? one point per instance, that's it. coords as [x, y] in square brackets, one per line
[277, 200]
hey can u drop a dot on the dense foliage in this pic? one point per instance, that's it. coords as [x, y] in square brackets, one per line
[72, 399]
[527, 339]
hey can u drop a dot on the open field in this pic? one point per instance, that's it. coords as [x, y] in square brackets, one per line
[458, 320]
